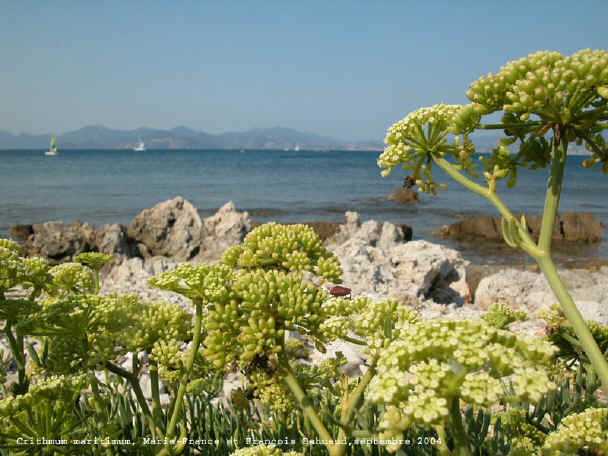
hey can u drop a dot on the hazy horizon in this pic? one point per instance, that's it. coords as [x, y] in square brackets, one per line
[345, 70]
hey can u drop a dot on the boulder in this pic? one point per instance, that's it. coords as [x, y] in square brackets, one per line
[431, 271]
[172, 228]
[569, 227]
[370, 232]
[375, 260]
[113, 240]
[531, 292]
[59, 242]
[405, 196]
[226, 228]
[132, 274]
[21, 232]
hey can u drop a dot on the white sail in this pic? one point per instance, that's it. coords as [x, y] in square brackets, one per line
[53, 148]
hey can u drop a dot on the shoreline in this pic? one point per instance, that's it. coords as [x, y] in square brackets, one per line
[481, 253]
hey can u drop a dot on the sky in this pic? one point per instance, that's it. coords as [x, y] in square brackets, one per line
[344, 69]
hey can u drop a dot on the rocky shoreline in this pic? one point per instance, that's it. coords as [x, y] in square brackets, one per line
[379, 260]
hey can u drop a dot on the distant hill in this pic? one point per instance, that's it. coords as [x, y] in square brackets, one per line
[101, 137]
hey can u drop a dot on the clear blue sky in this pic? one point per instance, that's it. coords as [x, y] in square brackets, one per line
[346, 69]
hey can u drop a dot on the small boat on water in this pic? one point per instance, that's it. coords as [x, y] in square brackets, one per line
[140, 146]
[53, 149]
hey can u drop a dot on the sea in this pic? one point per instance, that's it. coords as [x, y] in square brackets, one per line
[113, 186]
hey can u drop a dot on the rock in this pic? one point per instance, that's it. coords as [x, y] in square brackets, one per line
[131, 276]
[531, 292]
[59, 242]
[578, 227]
[172, 228]
[431, 271]
[569, 227]
[324, 230]
[508, 285]
[370, 232]
[226, 228]
[21, 232]
[376, 260]
[113, 240]
[405, 196]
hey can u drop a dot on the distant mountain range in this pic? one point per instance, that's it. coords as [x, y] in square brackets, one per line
[101, 137]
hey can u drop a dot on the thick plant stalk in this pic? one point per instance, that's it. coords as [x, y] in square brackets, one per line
[132, 379]
[541, 252]
[357, 395]
[308, 410]
[156, 407]
[461, 446]
[188, 368]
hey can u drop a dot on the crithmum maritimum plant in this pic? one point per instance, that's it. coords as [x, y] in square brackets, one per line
[544, 93]
[418, 373]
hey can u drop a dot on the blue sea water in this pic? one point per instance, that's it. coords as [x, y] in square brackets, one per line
[113, 186]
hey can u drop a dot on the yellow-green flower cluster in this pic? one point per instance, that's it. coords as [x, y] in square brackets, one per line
[523, 446]
[264, 450]
[160, 321]
[57, 390]
[587, 430]
[253, 317]
[435, 362]
[94, 260]
[37, 273]
[378, 322]
[544, 83]
[88, 330]
[524, 435]
[278, 398]
[11, 266]
[206, 282]
[420, 133]
[499, 315]
[288, 247]
[72, 278]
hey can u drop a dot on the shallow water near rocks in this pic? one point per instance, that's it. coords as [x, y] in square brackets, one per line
[113, 186]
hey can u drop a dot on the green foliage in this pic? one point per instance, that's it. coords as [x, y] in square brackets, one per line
[94, 260]
[46, 411]
[561, 333]
[586, 430]
[292, 248]
[536, 93]
[499, 315]
[435, 363]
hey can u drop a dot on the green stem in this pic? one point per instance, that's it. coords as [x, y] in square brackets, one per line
[443, 445]
[575, 318]
[97, 287]
[156, 408]
[357, 395]
[528, 244]
[133, 381]
[188, 367]
[16, 345]
[502, 126]
[541, 252]
[352, 340]
[461, 446]
[554, 189]
[308, 410]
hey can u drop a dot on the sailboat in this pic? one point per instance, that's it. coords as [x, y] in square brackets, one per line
[53, 149]
[140, 146]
